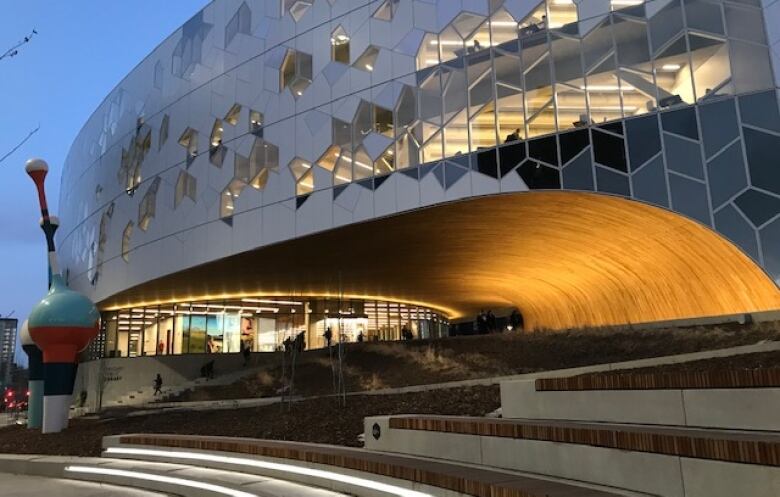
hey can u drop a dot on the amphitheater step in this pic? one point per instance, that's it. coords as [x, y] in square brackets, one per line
[343, 469]
[675, 461]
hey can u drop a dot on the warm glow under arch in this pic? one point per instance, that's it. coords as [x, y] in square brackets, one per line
[566, 259]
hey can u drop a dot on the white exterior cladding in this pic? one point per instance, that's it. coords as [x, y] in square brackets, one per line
[233, 53]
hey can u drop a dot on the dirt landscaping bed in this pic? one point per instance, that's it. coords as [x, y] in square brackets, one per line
[373, 366]
[318, 420]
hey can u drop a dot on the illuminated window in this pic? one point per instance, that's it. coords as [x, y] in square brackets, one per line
[367, 59]
[126, 234]
[304, 178]
[339, 42]
[383, 121]
[295, 72]
[256, 123]
[227, 199]
[233, 115]
[189, 140]
[216, 149]
[186, 186]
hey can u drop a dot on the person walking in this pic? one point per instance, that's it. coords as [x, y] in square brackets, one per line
[158, 384]
[328, 335]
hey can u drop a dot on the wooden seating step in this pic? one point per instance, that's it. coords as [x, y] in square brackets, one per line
[749, 447]
[736, 378]
[479, 482]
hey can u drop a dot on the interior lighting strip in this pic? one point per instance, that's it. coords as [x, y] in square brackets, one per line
[138, 475]
[284, 468]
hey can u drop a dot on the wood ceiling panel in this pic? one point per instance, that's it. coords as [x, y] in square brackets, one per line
[565, 259]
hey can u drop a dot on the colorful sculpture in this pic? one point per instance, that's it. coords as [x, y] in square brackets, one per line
[35, 380]
[61, 325]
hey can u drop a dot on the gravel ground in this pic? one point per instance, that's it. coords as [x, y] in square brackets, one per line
[320, 421]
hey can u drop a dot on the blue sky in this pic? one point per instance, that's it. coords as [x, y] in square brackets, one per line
[83, 49]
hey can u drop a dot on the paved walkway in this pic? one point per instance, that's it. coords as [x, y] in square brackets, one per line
[35, 486]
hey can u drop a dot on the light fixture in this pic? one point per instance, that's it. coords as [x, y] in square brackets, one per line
[671, 67]
[171, 480]
[357, 163]
[369, 67]
[274, 466]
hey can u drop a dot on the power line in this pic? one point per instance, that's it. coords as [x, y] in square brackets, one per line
[14, 50]
[20, 144]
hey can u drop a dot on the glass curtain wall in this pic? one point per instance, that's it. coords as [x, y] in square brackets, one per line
[484, 80]
[262, 325]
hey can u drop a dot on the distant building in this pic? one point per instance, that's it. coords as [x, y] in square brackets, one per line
[8, 328]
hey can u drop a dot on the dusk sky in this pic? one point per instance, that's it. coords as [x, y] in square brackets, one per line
[83, 49]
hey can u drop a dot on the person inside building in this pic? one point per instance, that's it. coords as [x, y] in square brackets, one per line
[328, 335]
[513, 136]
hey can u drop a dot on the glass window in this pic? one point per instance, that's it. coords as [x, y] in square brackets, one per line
[750, 67]
[673, 75]
[186, 186]
[146, 209]
[745, 23]
[503, 28]
[342, 173]
[227, 199]
[362, 165]
[367, 59]
[386, 10]
[339, 42]
[233, 115]
[189, 140]
[539, 102]
[386, 162]
[126, 234]
[635, 68]
[163, 132]
[561, 13]
[428, 55]
[570, 84]
[255, 121]
[704, 16]
[711, 67]
[666, 25]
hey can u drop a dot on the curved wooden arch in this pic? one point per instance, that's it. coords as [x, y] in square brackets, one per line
[566, 259]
